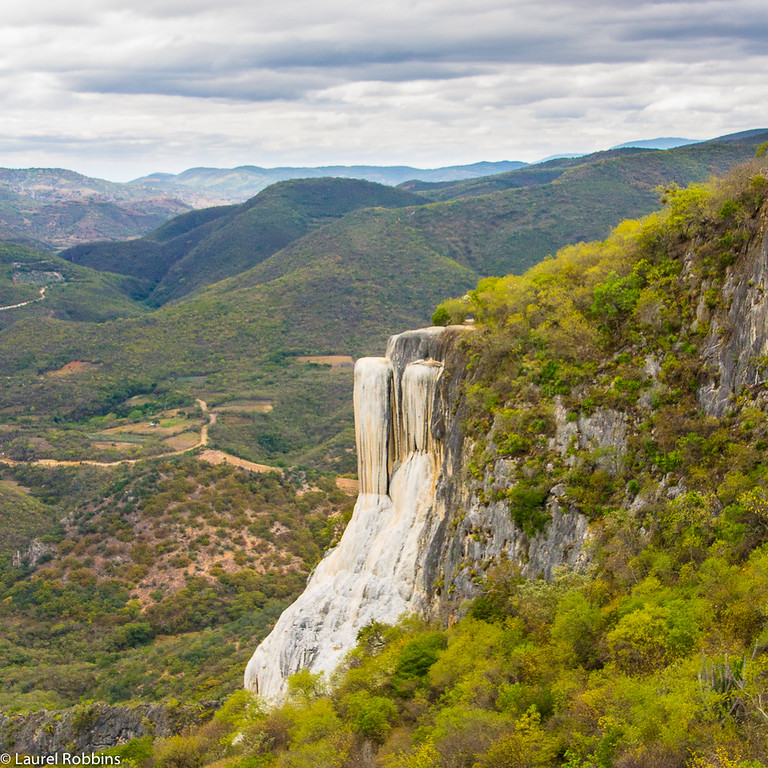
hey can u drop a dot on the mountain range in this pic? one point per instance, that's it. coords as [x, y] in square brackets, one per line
[233, 185]
[489, 225]
[53, 208]
[225, 302]
[50, 209]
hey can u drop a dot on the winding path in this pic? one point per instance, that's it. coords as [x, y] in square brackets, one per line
[24, 303]
[211, 456]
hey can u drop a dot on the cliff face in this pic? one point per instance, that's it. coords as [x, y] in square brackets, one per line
[421, 529]
[92, 727]
[427, 524]
[377, 571]
[736, 350]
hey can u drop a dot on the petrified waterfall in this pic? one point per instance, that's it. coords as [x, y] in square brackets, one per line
[373, 384]
[376, 571]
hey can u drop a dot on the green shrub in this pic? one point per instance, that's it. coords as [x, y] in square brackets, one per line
[371, 716]
[178, 752]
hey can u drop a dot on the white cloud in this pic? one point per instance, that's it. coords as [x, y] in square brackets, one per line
[120, 90]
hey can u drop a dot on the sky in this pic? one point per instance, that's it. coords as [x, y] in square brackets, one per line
[119, 90]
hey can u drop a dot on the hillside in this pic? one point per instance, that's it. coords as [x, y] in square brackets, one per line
[531, 175]
[641, 170]
[52, 208]
[213, 186]
[609, 408]
[203, 247]
[329, 294]
[35, 284]
[140, 580]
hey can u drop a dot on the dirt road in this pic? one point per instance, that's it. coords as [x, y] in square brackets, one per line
[24, 303]
[214, 457]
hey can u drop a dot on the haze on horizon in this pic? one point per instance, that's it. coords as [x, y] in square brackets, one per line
[119, 92]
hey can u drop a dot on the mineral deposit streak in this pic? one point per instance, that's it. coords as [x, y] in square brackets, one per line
[375, 572]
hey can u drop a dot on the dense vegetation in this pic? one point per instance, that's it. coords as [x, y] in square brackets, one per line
[151, 581]
[157, 580]
[72, 293]
[657, 653]
[202, 247]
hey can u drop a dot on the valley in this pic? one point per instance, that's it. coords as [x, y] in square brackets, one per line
[177, 454]
[174, 429]
[240, 295]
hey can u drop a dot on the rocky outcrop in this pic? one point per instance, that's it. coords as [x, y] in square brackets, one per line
[422, 530]
[604, 431]
[736, 349]
[35, 551]
[487, 534]
[377, 572]
[91, 727]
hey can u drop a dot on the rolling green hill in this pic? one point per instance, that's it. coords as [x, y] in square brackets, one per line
[338, 291]
[51, 287]
[203, 247]
[640, 168]
[312, 268]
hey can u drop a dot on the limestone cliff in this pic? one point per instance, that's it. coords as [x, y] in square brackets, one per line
[736, 350]
[96, 726]
[377, 572]
[420, 529]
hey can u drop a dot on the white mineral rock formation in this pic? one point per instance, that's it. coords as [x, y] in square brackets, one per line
[376, 571]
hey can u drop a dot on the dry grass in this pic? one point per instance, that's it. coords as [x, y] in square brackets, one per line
[335, 361]
[348, 485]
[183, 441]
[219, 457]
[245, 406]
[74, 366]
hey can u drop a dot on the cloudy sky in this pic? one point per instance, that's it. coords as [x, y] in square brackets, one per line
[118, 90]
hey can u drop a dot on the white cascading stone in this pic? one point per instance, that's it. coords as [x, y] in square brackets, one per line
[374, 572]
[373, 384]
[418, 394]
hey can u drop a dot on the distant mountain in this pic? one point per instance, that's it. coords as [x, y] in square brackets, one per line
[535, 174]
[52, 208]
[56, 185]
[213, 186]
[671, 143]
[559, 156]
[660, 143]
[491, 226]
